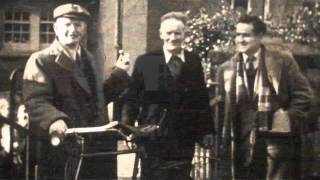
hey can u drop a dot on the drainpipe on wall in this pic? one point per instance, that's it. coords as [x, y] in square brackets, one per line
[118, 26]
[249, 7]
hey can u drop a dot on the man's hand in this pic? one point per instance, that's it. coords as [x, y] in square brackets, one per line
[123, 61]
[59, 127]
[208, 140]
[56, 131]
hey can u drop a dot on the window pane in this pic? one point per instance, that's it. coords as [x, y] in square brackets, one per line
[26, 16]
[50, 28]
[16, 37]
[24, 38]
[8, 27]
[43, 38]
[46, 16]
[7, 37]
[16, 27]
[8, 15]
[26, 27]
[43, 28]
[51, 38]
[241, 3]
[17, 16]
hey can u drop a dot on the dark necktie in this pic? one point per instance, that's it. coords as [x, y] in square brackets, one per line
[175, 65]
[251, 73]
[78, 61]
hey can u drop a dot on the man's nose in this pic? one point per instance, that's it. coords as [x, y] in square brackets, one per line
[239, 38]
[173, 37]
[72, 27]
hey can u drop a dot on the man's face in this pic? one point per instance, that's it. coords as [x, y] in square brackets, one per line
[246, 41]
[69, 31]
[172, 35]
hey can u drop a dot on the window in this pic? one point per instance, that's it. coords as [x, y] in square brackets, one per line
[240, 5]
[46, 28]
[17, 26]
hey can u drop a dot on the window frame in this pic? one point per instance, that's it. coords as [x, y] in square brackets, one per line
[48, 22]
[16, 26]
[19, 48]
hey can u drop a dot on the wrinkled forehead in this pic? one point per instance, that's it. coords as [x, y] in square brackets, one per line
[172, 25]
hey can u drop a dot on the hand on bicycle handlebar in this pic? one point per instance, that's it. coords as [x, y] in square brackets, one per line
[57, 131]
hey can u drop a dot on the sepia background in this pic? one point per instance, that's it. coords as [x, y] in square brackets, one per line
[133, 25]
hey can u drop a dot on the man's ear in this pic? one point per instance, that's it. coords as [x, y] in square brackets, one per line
[54, 27]
[160, 34]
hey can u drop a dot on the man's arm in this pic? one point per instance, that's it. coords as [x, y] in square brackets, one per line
[131, 95]
[38, 96]
[115, 84]
[118, 80]
[205, 120]
[299, 92]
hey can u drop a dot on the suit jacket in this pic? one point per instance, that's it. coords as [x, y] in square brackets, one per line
[292, 91]
[153, 92]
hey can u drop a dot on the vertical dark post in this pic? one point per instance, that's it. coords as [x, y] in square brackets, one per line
[217, 125]
[118, 28]
[117, 106]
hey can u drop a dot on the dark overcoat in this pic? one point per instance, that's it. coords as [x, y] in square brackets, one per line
[53, 89]
[180, 107]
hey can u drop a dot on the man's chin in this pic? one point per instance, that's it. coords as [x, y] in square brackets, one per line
[241, 50]
[173, 49]
[71, 43]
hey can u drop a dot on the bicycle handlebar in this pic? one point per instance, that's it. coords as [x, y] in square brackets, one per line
[96, 129]
[112, 126]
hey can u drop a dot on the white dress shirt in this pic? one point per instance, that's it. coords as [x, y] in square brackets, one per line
[256, 59]
[168, 55]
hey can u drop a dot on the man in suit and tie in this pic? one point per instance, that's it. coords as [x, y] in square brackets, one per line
[168, 90]
[63, 88]
[266, 98]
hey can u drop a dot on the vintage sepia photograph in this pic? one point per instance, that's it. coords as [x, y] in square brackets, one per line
[159, 89]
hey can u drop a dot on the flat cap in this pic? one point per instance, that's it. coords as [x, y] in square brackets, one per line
[71, 11]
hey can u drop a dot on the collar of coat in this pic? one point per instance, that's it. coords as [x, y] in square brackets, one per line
[62, 59]
[65, 62]
[274, 62]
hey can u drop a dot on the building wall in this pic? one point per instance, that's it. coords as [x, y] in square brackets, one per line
[13, 55]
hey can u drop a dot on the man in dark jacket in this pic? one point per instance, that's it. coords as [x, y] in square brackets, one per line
[168, 90]
[63, 88]
[266, 98]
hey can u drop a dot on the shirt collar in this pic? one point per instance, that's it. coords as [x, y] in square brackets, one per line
[72, 54]
[168, 55]
[256, 59]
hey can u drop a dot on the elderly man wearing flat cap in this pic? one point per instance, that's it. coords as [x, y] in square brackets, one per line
[62, 88]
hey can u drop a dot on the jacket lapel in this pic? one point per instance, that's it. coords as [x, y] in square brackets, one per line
[80, 76]
[65, 62]
[274, 69]
[229, 73]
